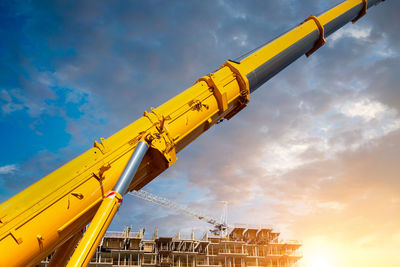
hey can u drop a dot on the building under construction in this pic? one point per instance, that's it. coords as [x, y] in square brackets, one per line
[245, 246]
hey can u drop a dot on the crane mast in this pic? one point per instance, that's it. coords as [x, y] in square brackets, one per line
[50, 214]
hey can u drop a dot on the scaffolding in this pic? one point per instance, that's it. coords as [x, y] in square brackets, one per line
[244, 247]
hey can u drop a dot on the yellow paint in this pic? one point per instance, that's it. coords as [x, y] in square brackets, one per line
[58, 206]
[96, 230]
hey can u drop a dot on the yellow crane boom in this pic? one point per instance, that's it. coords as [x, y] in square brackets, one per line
[51, 213]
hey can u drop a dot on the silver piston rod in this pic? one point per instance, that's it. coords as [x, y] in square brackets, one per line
[131, 168]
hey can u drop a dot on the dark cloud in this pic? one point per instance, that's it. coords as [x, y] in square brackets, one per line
[314, 152]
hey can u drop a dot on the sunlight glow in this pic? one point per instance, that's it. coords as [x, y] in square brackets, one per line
[317, 253]
[320, 260]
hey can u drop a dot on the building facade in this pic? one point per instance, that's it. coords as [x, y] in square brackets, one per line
[243, 247]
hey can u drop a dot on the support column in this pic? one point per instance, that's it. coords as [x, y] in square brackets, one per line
[107, 210]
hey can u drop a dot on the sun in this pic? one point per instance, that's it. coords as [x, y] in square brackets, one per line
[320, 260]
[319, 252]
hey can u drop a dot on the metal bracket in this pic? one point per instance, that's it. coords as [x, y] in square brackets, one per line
[15, 236]
[197, 105]
[77, 195]
[242, 80]
[222, 98]
[321, 41]
[160, 139]
[362, 12]
[101, 146]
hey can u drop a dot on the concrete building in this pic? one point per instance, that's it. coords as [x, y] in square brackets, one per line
[245, 246]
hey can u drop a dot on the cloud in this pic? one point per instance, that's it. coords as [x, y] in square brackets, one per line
[355, 31]
[364, 108]
[7, 169]
[315, 152]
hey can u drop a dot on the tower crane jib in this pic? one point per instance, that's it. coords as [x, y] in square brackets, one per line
[220, 226]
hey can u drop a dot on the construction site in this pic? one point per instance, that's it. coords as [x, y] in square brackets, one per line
[224, 245]
[245, 246]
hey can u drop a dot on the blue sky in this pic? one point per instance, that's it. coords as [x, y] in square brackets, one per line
[317, 143]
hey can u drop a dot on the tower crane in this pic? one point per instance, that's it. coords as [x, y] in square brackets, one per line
[49, 215]
[221, 226]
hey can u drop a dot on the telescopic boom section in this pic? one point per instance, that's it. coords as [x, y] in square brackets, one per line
[267, 61]
[49, 213]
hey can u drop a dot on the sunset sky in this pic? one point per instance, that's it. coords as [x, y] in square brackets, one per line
[316, 153]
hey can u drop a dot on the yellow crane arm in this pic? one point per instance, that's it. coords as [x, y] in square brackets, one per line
[43, 217]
